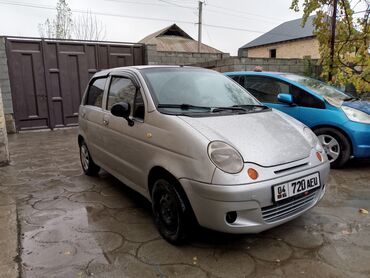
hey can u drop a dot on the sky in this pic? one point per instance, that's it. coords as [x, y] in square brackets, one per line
[227, 24]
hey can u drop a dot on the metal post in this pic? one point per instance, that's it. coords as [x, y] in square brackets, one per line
[200, 25]
[332, 39]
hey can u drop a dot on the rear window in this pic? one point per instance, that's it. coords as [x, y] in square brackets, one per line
[95, 93]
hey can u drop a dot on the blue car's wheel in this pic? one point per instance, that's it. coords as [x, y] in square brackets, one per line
[336, 146]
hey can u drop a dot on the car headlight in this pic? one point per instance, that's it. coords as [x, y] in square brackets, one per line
[356, 115]
[225, 157]
[312, 139]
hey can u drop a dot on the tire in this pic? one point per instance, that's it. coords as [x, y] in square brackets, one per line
[88, 165]
[172, 215]
[336, 145]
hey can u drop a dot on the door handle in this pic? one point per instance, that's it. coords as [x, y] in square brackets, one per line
[105, 122]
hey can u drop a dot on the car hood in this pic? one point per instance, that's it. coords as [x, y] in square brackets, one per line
[265, 138]
[361, 105]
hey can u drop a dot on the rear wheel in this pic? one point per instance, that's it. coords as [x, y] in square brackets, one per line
[336, 146]
[172, 215]
[88, 165]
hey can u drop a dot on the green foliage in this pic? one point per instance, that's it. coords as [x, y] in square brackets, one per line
[352, 40]
[59, 27]
[311, 69]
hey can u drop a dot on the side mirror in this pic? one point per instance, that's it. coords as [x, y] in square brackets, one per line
[122, 109]
[285, 98]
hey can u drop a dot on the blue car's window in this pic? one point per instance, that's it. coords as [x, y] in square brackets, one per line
[305, 99]
[319, 87]
[265, 89]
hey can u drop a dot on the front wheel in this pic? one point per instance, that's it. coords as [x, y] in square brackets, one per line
[171, 213]
[336, 146]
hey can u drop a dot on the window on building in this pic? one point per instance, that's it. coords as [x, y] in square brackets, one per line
[273, 53]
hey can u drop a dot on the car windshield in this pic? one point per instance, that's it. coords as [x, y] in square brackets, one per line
[319, 87]
[197, 90]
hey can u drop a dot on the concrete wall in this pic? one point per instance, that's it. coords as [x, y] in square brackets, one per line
[298, 66]
[4, 152]
[287, 50]
[155, 57]
[5, 88]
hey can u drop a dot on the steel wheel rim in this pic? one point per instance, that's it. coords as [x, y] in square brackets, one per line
[84, 154]
[331, 146]
[166, 210]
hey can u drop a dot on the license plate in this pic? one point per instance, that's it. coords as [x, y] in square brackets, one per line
[295, 187]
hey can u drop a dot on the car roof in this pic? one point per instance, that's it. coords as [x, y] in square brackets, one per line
[262, 73]
[105, 72]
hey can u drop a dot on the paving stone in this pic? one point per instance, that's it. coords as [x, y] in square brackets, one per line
[343, 255]
[269, 249]
[72, 225]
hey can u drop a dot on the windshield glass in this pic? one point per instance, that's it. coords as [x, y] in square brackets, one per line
[319, 87]
[195, 89]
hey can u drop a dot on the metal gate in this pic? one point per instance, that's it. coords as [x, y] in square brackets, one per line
[48, 77]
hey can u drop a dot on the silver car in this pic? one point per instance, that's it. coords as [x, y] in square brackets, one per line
[200, 148]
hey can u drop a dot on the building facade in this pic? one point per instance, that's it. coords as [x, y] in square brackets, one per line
[296, 49]
[289, 40]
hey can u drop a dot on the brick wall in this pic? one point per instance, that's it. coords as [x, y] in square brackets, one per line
[155, 57]
[298, 66]
[4, 153]
[5, 88]
[286, 50]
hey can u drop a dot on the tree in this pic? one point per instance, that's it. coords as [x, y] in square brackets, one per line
[351, 61]
[61, 26]
[88, 27]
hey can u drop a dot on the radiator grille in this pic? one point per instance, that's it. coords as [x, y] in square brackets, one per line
[289, 206]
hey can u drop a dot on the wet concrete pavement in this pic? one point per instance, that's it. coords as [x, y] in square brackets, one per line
[72, 225]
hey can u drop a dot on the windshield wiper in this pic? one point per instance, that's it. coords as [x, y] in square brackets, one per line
[184, 106]
[351, 99]
[244, 107]
[225, 108]
[253, 106]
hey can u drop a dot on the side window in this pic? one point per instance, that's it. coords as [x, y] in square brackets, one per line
[139, 109]
[123, 89]
[305, 99]
[265, 89]
[238, 79]
[95, 92]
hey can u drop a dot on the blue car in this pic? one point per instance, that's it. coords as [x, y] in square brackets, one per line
[341, 121]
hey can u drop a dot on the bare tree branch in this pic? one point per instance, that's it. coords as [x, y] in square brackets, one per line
[88, 27]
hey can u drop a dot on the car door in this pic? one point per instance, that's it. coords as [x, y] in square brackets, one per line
[311, 109]
[266, 89]
[91, 118]
[124, 143]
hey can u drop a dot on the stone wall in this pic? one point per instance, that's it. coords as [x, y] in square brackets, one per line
[286, 50]
[154, 57]
[5, 87]
[4, 152]
[298, 66]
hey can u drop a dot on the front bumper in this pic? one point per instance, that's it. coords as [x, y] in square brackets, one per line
[360, 136]
[252, 202]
